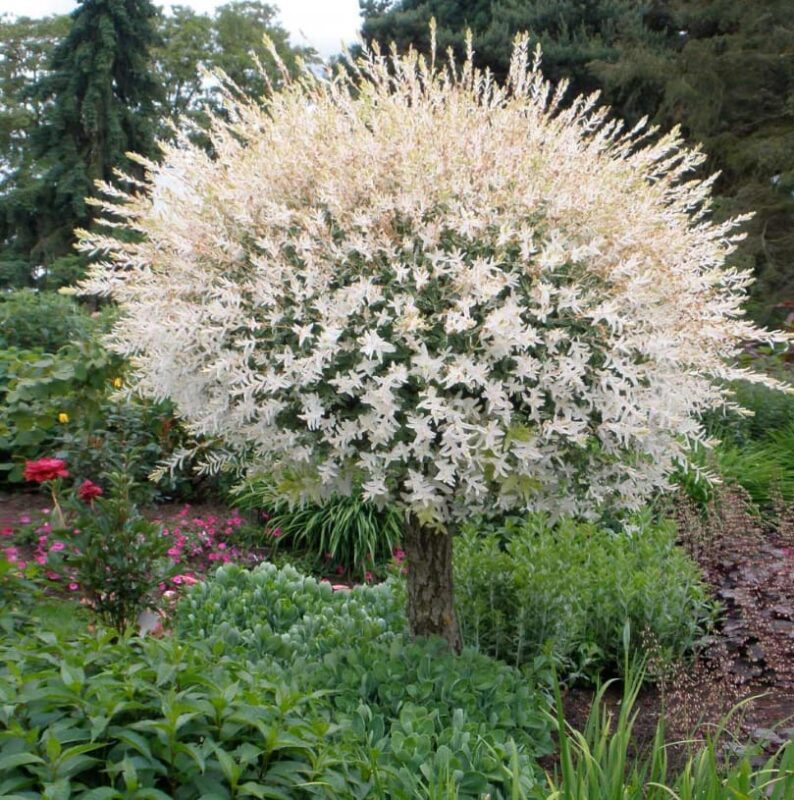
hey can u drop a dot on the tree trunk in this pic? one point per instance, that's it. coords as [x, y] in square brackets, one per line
[430, 603]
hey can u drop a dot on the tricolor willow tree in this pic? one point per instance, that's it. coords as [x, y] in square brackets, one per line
[451, 294]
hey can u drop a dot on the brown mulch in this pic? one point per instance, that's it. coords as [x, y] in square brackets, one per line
[744, 672]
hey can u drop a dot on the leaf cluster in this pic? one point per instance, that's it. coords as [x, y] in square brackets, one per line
[570, 588]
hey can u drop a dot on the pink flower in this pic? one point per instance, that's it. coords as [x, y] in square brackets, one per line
[340, 587]
[187, 579]
[45, 469]
[40, 559]
[88, 491]
[175, 552]
[7, 532]
[57, 547]
[12, 553]
[215, 556]
[369, 577]
[276, 533]
[73, 587]
[221, 545]
[53, 576]
[24, 519]
[399, 555]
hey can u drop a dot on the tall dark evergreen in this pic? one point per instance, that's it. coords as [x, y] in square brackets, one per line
[572, 32]
[100, 99]
[722, 69]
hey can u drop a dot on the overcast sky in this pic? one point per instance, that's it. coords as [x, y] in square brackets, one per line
[324, 24]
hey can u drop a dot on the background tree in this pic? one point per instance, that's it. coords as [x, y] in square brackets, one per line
[572, 32]
[721, 69]
[99, 98]
[458, 298]
[27, 49]
[231, 39]
[724, 71]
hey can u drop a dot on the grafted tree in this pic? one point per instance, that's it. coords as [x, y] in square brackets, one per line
[454, 295]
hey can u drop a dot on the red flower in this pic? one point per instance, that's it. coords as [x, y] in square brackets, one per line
[88, 491]
[45, 469]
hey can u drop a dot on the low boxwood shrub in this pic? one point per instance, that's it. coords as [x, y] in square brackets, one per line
[41, 320]
[530, 587]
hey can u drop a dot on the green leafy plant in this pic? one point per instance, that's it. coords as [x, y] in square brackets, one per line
[346, 531]
[43, 392]
[96, 715]
[764, 468]
[282, 613]
[571, 587]
[116, 556]
[47, 321]
[600, 762]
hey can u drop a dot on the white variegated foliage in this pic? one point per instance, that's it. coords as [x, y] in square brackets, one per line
[461, 296]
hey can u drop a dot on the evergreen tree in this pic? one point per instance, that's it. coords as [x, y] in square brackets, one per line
[572, 32]
[724, 71]
[100, 98]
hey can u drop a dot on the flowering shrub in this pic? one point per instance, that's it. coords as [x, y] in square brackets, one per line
[103, 550]
[110, 553]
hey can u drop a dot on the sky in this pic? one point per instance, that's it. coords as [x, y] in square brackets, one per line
[323, 24]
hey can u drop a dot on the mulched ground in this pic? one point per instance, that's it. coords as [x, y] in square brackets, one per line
[749, 659]
[750, 567]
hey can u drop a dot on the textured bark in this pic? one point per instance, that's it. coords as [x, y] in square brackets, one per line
[430, 600]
